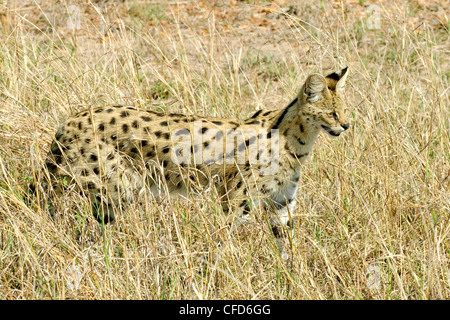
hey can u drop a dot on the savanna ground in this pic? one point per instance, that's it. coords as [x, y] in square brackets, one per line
[374, 204]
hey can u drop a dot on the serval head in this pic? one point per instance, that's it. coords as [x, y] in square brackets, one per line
[322, 102]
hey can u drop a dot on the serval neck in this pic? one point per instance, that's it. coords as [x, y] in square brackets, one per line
[297, 129]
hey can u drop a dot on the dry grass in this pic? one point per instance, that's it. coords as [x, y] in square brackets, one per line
[373, 219]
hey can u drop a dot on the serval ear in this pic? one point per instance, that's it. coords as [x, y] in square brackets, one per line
[336, 80]
[314, 88]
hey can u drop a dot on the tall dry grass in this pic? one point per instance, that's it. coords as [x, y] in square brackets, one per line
[373, 214]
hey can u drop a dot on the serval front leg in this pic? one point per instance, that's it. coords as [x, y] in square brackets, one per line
[283, 230]
[280, 219]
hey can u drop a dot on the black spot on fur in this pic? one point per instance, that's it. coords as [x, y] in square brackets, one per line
[250, 141]
[51, 166]
[256, 114]
[55, 149]
[260, 153]
[112, 121]
[166, 149]
[146, 119]
[58, 135]
[135, 124]
[125, 128]
[276, 231]
[124, 114]
[245, 206]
